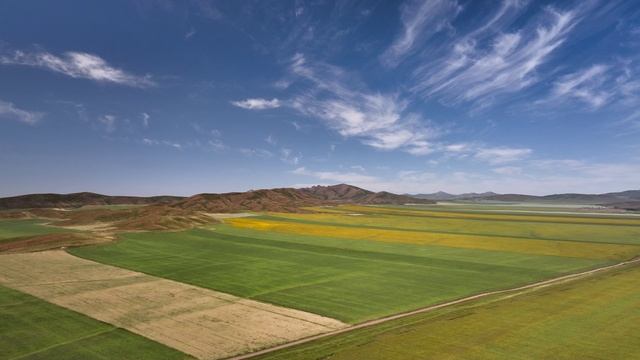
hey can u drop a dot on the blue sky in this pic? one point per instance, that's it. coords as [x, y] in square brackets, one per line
[182, 97]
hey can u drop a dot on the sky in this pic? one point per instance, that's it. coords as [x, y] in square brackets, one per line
[149, 97]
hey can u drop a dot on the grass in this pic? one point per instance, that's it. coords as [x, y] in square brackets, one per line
[350, 280]
[33, 329]
[18, 228]
[597, 317]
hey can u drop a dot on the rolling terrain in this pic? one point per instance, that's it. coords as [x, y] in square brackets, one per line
[340, 255]
[622, 200]
[339, 265]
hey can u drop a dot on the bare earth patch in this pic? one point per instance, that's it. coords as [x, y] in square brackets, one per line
[222, 216]
[200, 322]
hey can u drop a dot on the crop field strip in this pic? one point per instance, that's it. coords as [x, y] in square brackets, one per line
[590, 250]
[33, 329]
[20, 228]
[594, 317]
[350, 280]
[199, 322]
[626, 234]
[470, 215]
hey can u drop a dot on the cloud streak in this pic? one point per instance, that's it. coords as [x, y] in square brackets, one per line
[420, 20]
[584, 85]
[257, 104]
[343, 177]
[78, 65]
[377, 120]
[10, 112]
[472, 73]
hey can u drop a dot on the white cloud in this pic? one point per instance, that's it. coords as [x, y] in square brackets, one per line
[154, 142]
[190, 34]
[501, 155]
[262, 153]
[216, 144]
[599, 85]
[109, 122]
[458, 148]
[472, 73]
[271, 140]
[377, 120]
[77, 65]
[287, 156]
[257, 104]
[145, 119]
[585, 85]
[11, 112]
[343, 177]
[420, 20]
[508, 170]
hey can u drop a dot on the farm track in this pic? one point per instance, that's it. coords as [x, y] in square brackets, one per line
[366, 324]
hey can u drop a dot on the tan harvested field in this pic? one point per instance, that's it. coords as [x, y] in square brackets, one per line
[200, 322]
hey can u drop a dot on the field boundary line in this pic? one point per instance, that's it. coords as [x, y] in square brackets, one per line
[539, 284]
[71, 341]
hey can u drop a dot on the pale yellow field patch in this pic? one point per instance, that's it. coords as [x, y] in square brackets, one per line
[204, 323]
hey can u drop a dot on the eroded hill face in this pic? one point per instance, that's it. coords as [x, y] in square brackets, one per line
[75, 200]
[290, 200]
[99, 224]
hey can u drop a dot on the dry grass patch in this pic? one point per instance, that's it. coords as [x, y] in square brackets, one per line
[203, 323]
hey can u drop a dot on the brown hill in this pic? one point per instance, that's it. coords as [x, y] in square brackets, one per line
[75, 200]
[289, 199]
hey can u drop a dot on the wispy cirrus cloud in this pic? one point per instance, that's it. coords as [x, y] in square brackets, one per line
[256, 152]
[77, 65]
[472, 73]
[109, 122]
[377, 120]
[495, 155]
[344, 177]
[502, 155]
[10, 112]
[420, 20]
[145, 119]
[585, 85]
[599, 85]
[257, 104]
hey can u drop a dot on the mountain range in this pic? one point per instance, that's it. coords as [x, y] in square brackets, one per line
[281, 199]
[629, 200]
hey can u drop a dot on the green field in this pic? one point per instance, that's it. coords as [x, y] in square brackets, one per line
[19, 228]
[597, 317]
[32, 329]
[351, 280]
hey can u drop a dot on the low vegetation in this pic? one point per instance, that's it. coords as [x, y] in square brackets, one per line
[597, 317]
[25, 228]
[345, 279]
[34, 329]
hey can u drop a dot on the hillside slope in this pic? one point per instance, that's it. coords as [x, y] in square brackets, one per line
[75, 200]
[290, 199]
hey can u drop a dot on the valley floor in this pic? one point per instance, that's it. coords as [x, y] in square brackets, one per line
[256, 281]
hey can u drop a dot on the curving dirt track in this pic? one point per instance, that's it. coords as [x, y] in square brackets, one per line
[513, 292]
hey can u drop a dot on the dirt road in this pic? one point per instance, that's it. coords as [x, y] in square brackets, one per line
[536, 285]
